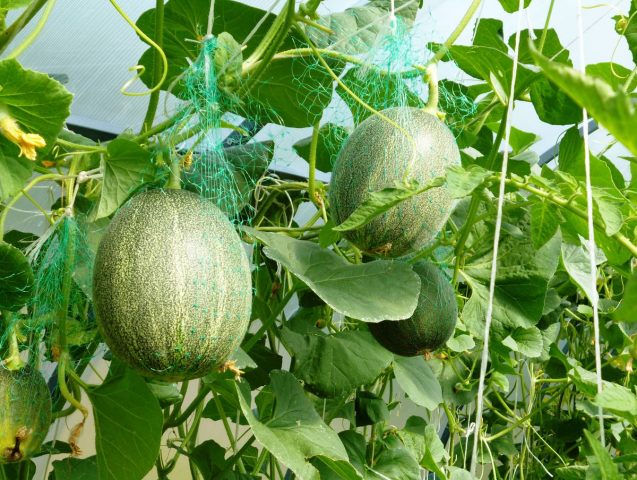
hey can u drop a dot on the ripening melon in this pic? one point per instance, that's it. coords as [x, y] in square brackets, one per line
[172, 285]
[431, 324]
[376, 156]
[25, 413]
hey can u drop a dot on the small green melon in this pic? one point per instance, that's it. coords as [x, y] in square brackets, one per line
[431, 324]
[25, 413]
[172, 285]
[376, 156]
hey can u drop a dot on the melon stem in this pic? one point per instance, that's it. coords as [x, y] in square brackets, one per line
[174, 181]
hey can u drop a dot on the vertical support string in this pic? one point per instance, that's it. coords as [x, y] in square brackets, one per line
[591, 230]
[496, 246]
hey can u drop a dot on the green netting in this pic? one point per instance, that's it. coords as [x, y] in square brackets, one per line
[207, 168]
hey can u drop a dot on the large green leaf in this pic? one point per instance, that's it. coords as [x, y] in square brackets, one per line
[37, 102]
[418, 381]
[75, 469]
[356, 30]
[372, 292]
[613, 109]
[618, 400]
[394, 463]
[295, 432]
[185, 22]
[527, 341]
[126, 167]
[16, 278]
[489, 33]
[292, 93]
[334, 365]
[128, 427]
[521, 283]
[613, 74]
[23, 470]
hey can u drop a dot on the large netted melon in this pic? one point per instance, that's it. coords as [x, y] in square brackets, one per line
[25, 413]
[431, 324]
[376, 156]
[171, 285]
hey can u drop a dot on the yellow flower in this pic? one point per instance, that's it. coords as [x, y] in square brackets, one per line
[27, 142]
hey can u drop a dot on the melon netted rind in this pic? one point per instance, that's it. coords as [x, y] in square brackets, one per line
[25, 413]
[172, 285]
[376, 156]
[432, 323]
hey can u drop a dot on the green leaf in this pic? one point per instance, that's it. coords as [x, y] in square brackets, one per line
[291, 93]
[356, 30]
[185, 23]
[75, 469]
[461, 343]
[491, 65]
[381, 201]
[334, 365]
[552, 105]
[166, 393]
[607, 469]
[462, 182]
[37, 102]
[489, 33]
[335, 470]
[613, 109]
[527, 341]
[511, 6]
[327, 235]
[16, 278]
[520, 141]
[370, 409]
[618, 400]
[418, 381]
[553, 48]
[613, 74]
[295, 432]
[128, 427]
[396, 463]
[544, 223]
[521, 283]
[627, 310]
[576, 260]
[11, 471]
[126, 168]
[330, 140]
[372, 292]
[14, 172]
[460, 474]
[572, 472]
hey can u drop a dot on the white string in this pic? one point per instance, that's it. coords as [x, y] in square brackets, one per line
[211, 18]
[392, 16]
[591, 230]
[496, 246]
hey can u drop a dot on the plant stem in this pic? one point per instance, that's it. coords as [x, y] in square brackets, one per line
[16, 27]
[247, 346]
[563, 202]
[475, 201]
[456, 33]
[174, 182]
[226, 426]
[268, 47]
[34, 34]
[312, 161]
[546, 26]
[175, 422]
[153, 100]
[434, 94]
